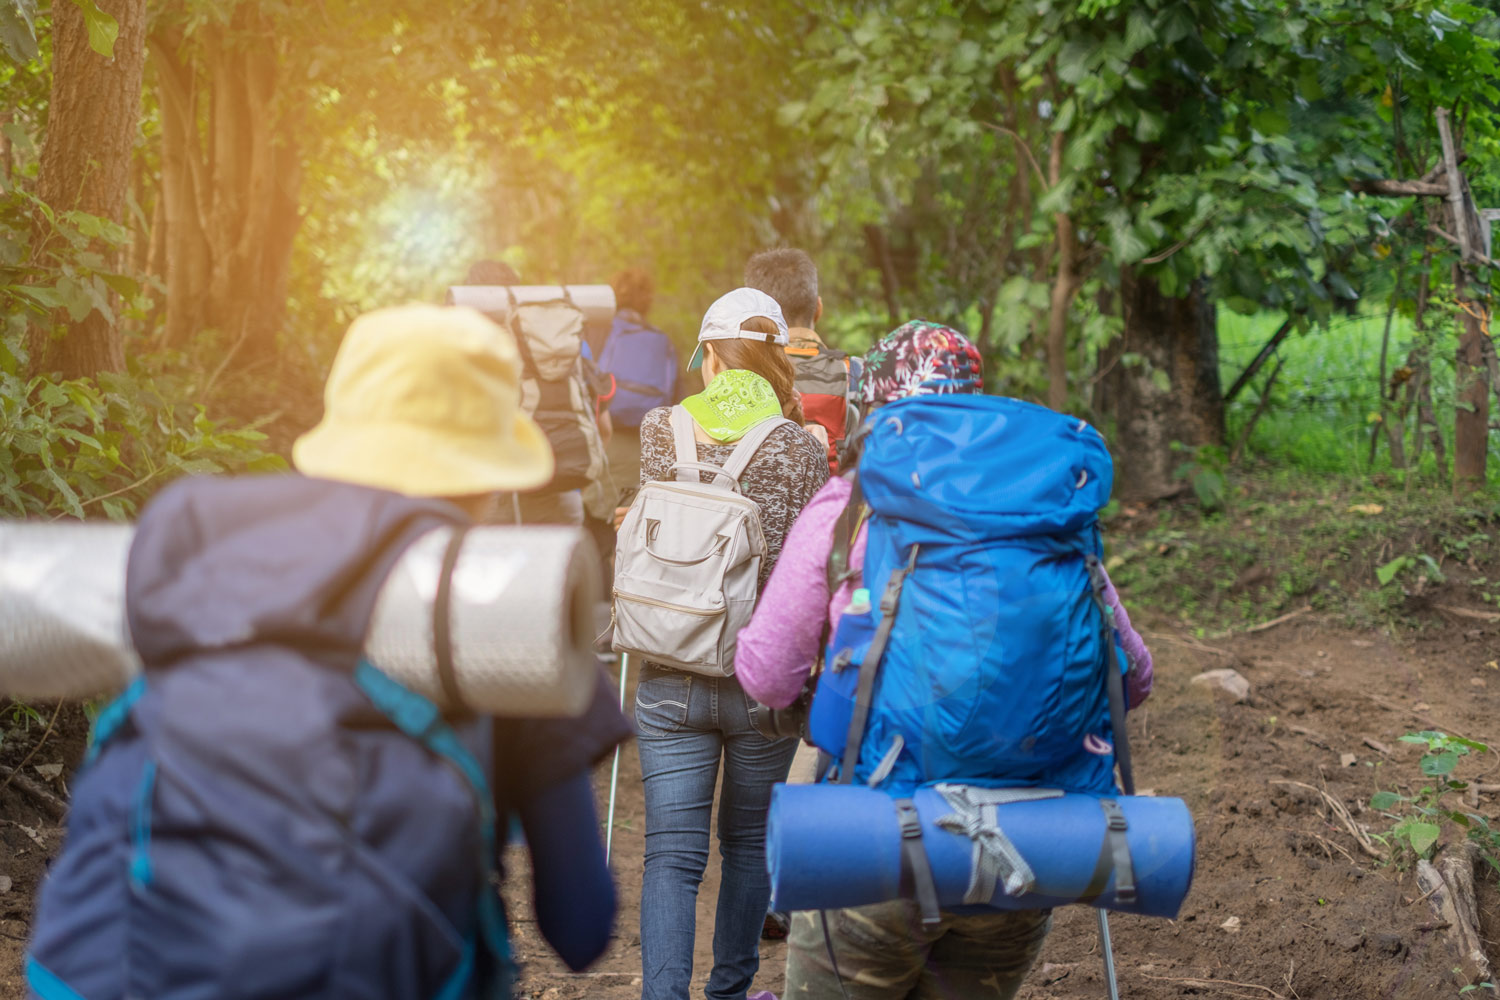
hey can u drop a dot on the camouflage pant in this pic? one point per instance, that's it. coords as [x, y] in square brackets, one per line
[884, 953]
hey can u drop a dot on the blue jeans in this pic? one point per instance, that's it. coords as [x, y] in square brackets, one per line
[685, 724]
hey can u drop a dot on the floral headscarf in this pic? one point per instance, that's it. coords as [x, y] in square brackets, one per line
[920, 359]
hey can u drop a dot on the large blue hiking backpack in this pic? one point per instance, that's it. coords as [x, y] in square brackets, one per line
[985, 653]
[643, 361]
[263, 813]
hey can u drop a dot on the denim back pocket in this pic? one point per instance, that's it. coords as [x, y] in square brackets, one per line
[661, 701]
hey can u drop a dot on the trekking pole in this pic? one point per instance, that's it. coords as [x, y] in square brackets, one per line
[1109, 956]
[614, 771]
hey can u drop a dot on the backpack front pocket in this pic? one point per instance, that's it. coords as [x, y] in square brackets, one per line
[676, 633]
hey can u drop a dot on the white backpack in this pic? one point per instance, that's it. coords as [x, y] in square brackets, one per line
[688, 558]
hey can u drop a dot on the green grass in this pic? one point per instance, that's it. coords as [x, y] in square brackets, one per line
[1287, 540]
[1319, 420]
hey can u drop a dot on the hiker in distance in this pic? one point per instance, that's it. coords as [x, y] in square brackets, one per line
[823, 374]
[266, 814]
[723, 476]
[887, 951]
[563, 391]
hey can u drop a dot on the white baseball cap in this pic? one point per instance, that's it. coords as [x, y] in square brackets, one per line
[725, 320]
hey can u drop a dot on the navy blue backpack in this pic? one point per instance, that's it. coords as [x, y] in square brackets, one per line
[985, 652]
[643, 361]
[264, 814]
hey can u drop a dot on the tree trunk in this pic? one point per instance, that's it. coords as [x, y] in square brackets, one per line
[92, 118]
[1176, 338]
[186, 256]
[231, 192]
[1471, 418]
[1064, 287]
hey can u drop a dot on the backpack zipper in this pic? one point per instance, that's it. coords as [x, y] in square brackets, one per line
[621, 595]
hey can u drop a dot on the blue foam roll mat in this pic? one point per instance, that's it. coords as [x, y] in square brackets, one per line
[835, 846]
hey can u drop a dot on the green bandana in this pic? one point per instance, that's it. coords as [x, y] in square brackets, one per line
[734, 402]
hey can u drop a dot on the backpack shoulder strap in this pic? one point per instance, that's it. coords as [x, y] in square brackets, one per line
[685, 443]
[744, 452]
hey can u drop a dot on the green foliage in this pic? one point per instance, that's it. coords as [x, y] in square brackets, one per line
[1421, 818]
[1418, 561]
[18, 30]
[103, 28]
[1327, 398]
[1207, 472]
[92, 447]
[85, 448]
[67, 269]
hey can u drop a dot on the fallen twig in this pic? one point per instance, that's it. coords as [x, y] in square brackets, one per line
[1342, 812]
[1191, 643]
[1314, 737]
[1484, 616]
[27, 759]
[1263, 625]
[1204, 983]
[54, 807]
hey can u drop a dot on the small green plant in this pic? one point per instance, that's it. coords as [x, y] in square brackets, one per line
[1420, 818]
[20, 716]
[1206, 471]
[1417, 561]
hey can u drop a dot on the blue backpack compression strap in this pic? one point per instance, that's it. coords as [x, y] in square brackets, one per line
[112, 716]
[420, 719]
[45, 983]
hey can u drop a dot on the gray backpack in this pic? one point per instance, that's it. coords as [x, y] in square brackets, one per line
[688, 558]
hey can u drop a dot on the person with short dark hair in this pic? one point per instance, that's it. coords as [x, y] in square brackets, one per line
[790, 277]
[634, 290]
[492, 272]
[641, 358]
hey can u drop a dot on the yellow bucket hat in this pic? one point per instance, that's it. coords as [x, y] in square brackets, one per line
[426, 401]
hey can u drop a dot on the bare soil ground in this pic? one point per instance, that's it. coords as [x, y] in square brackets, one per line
[1318, 918]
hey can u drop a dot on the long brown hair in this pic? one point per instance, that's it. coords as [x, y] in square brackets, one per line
[765, 359]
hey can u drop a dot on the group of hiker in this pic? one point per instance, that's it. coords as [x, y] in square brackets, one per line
[266, 815]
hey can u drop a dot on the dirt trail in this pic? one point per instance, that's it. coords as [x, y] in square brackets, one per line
[1317, 918]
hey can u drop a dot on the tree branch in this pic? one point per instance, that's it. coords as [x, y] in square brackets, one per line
[1024, 148]
[1399, 189]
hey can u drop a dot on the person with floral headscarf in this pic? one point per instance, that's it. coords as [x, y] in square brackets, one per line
[884, 952]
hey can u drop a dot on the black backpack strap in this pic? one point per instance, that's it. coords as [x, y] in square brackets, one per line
[915, 867]
[639, 388]
[442, 623]
[845, 529]
[1114, 682]
[890, 603]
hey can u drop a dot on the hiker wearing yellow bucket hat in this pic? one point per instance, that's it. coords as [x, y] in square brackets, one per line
[425, 401]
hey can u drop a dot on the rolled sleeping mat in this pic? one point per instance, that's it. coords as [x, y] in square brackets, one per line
[522, 600]
[62, 610]
[836, 846]
[596, 302]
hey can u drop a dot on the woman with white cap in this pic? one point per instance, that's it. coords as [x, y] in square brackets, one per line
[685, 722]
